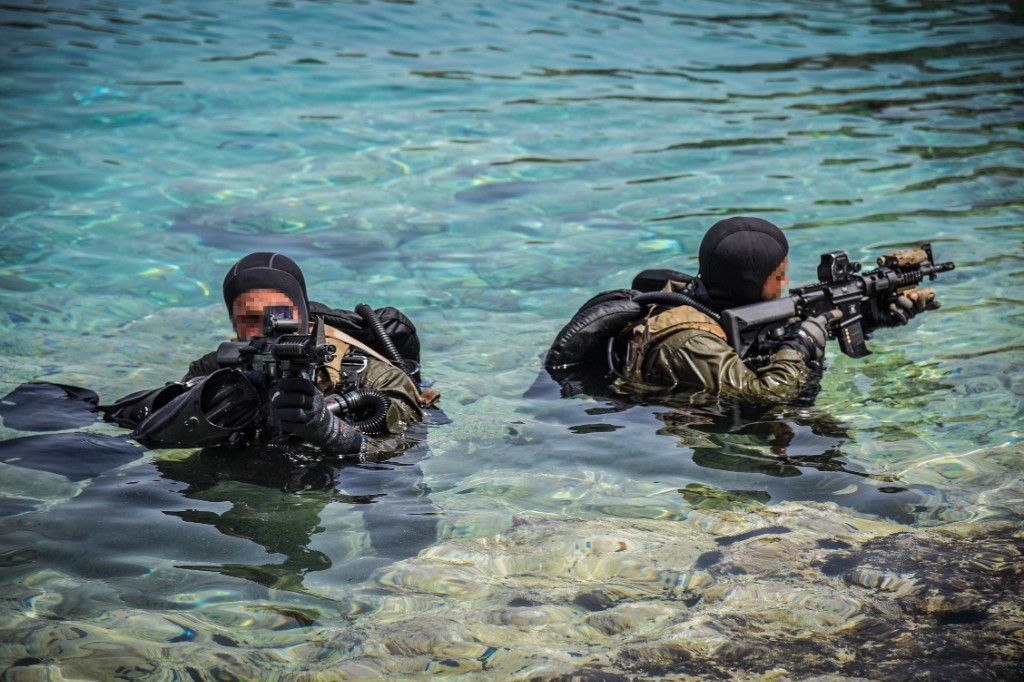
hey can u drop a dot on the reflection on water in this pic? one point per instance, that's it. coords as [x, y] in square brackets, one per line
[486, 168]
[284, 521]
[805, 448]
[757, 455]
[267, 497]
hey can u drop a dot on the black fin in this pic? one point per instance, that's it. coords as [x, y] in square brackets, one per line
[49, 407]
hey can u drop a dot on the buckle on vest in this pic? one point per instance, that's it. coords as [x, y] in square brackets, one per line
[351, 367]
[354, 362]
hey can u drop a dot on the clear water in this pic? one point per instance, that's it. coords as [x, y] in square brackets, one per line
[486, 167]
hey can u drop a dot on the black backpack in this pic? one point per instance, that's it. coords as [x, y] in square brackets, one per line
[584, 342]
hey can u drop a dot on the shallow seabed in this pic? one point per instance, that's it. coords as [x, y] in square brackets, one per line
[486, 167]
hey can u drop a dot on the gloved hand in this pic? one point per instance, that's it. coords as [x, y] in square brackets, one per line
[300, 408]
[809, 336]
[906, 307]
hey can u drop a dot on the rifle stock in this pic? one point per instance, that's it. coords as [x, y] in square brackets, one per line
[754, 324]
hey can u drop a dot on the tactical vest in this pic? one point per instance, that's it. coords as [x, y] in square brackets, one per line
[342, 373]
[342, 370]
[647, 334]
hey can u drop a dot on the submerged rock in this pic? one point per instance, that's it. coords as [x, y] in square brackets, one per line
[790, 591]
[795, 591]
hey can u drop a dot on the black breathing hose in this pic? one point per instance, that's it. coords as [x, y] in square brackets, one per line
[367, 313]
[675, 298]
[362, 401]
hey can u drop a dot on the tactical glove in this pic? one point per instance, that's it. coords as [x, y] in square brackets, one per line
[808, 337]
[905, 308]
[300, 408]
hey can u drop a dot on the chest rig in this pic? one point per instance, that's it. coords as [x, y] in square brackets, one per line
[343, 373]
[656, 327]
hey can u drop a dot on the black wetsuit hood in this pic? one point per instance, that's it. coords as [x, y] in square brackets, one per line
[736, 257]
[265, 270]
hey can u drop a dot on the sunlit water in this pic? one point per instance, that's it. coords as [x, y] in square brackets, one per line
[486, 167]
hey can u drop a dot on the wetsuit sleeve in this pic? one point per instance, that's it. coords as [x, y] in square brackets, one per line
[696, 359]
[131, 410]
[207, 413]
[202, 367]
[395, 384]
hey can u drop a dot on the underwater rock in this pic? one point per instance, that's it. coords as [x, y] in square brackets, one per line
[665, 598]
[557, 597]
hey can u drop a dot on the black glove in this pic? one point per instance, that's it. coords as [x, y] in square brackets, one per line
[808, 337]
[301, 410]
[905, 308]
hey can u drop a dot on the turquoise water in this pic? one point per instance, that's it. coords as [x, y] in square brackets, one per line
[486, 167]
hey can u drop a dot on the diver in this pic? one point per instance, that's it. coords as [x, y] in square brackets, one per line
[353, 392]
[668, 350]
[270, 486]
[259, 495]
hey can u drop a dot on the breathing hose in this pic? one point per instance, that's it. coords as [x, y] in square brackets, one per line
[675, 298]
[362, 401]
[367, 313]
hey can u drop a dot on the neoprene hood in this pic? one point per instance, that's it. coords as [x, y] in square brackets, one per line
[265, 270]
[736, 257]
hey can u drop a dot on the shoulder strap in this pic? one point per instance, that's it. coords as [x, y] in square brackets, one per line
[339, 335]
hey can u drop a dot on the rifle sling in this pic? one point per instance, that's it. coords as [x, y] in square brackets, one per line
[339, 335]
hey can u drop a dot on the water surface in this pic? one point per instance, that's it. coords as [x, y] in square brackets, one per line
[487, 168]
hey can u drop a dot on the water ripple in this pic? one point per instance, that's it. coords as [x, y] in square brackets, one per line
[487, 168]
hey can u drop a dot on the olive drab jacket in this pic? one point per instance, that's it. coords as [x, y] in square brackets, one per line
[682, 349]
[378, 375]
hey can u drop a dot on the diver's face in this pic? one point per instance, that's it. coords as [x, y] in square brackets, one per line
[248, 310]
[776, 282]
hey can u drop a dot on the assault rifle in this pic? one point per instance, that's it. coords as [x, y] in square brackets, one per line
[756, 330]
[280, 352]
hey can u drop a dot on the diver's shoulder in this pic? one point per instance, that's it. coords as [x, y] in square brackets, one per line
[207, 364]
